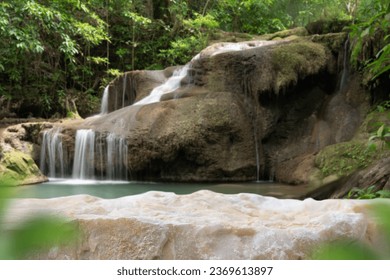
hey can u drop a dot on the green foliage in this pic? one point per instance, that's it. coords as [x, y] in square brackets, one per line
[344, 250]
[110, 75]
[37, 233]
[345, 158]
[370, 40]
[43, 48]
[251, 16]
[69, 45]
[383, 106]
[192, 38]
[356, 250]
[382, 135]
[368, 193]
[182, 50]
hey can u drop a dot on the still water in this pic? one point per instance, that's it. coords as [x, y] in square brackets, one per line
[115, 189]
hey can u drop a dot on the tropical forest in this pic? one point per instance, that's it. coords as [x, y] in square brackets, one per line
[165, 129]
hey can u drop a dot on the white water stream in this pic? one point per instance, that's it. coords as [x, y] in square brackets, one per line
[170, 85]
[52, 154]
[84, 156]
[104, 106]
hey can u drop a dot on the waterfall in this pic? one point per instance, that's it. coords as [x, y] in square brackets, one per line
[52, 154]
[84, 155]
[344, 74]
[257, 153]
[112, 156]
[104, 106]
[124, 89]
[170, 85]
[116, 164]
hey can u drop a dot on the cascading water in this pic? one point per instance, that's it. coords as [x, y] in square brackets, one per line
[170, 85]
[345, 72]
[124, 89]
[117, 153]
[52, 154]
[112, 150]
[84, 156]
[104, 106]
[112, 154]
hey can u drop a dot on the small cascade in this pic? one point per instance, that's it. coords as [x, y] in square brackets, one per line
[52, 154]
[271, 177]
[116, 163]
[84, 156]
[111, 156]
[104, 106]
[257, 150]
[170, 85]
[345, 72]
[174, 82]
[124, 89]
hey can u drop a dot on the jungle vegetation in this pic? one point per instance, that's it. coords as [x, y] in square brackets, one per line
[56, 56]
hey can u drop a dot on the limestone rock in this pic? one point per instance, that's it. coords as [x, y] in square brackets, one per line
[245, 111]
[17, 153]
[202, 225]
[213, 127]
[201, 138]
[20, 168]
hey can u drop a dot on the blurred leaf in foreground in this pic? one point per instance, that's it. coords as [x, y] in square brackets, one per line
[356, 250]
[40, 232]
[345, 250]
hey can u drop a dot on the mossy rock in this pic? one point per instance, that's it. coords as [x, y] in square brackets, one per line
[296, 60]
[222, 36]
[334, 41]
[327, 26]
[299, 32]
[373, 121]
[343, 159]
[19, 167]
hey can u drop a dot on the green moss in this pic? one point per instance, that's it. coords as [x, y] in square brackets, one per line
[334, 41]
[326, 26]
[373, 121]
[344, 158]
[299, 31]
[18, 166]
[73, 115]
[222, 36]
[296, 60]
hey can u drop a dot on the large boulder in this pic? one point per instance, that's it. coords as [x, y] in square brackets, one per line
[205, 137]
[18, 167]
[245, 111]
[202, 225]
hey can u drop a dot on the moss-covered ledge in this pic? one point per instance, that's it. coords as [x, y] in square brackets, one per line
[296, 60]
[352, 164]
[20, 167]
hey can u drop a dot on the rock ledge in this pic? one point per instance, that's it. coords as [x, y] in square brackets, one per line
[202, 225]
